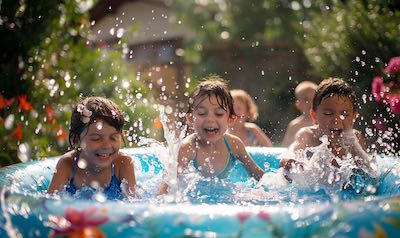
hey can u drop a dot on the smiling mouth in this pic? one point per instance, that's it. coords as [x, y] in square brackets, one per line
[211, 130]
[336, 131]
[104, 155]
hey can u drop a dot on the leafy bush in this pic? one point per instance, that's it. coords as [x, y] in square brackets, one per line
[47, 64]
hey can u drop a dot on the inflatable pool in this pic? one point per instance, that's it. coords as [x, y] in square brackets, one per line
[240, 209]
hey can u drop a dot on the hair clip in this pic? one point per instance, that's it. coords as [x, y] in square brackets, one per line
[85, 113]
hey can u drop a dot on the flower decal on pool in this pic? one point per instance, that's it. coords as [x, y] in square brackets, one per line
[82, 224]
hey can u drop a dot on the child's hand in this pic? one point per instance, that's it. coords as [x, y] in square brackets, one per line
[349, 138]
[291, 166]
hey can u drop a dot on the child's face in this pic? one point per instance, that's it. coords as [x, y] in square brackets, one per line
[99, 144]
[304, 100]
[334, 116]
[241, 111]
[209, 120]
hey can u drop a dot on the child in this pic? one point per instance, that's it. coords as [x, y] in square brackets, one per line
[304, 93]
[95, 162]
[334, 111]
[245, 109]
[210, 149]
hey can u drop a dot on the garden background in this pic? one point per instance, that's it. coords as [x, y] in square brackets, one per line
[48, 60]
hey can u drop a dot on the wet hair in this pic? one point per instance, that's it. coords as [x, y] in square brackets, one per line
[333, 86]
[212, 86]
[100, 108]
[243, 96]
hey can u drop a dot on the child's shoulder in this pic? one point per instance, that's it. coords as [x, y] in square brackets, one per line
[189, 140]
[252, 126]
[233, 140]
[308, 132]
[122, 157]
[67, 160]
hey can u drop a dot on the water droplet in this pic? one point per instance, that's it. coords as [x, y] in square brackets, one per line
[82, 163]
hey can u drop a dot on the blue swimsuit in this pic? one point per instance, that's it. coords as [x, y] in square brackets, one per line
[112, 192]
[229, 164]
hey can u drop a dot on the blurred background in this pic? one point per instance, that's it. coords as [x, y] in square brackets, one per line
[144, 53]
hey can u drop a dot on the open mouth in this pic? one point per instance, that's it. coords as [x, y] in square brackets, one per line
[336, 131]
[211, 130]
[104, 155]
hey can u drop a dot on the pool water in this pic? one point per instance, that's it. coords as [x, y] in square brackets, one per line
[235, 207]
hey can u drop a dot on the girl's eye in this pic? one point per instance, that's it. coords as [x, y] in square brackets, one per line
[327, 113]
[201, 112]
[95, 138]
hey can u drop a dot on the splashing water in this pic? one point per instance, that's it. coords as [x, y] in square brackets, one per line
[316, 172]
[168, 154]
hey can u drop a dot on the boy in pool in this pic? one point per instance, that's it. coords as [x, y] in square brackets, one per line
[245, 110]
[334, 111]
[210, 149]
[95, 163]
[304, 93]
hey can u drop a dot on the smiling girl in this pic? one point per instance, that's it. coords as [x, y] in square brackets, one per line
[95, 164]
[210, 149]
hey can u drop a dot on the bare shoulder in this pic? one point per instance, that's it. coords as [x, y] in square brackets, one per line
[295, 122]
[305, 137]
[251, 126]
[122, 159]
[187, 148]
[67, 161]
[235, 142]
[308, 131]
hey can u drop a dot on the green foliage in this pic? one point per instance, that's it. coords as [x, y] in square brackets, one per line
[239, 40]
[52, 65]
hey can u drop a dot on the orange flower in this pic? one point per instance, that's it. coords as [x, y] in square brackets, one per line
[50, 114]
[24, 104]
[157, 123]
[17, 134]
[5, 102]
[60, 132]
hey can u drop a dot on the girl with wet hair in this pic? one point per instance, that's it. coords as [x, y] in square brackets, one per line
[95, 164]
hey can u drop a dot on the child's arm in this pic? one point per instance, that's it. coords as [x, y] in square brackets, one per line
[302, 140]
[248, 163]
[127, 173]
[289, 135]
[355, 141]
[61, 175]
[261, 137]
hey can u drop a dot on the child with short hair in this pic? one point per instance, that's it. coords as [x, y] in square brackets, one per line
[304, 93]
[95, 163]
[210, 149]
[246, 110]
[334, 111]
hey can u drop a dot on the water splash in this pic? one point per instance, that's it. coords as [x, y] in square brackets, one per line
[168, 154]
[8, 226]
[316, 172]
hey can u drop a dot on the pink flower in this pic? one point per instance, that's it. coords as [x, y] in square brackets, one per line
[243, 216]
[380, 124]
[377, 88]
[77, 222]
[264, 216]
[393, 66]
[394, 102]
